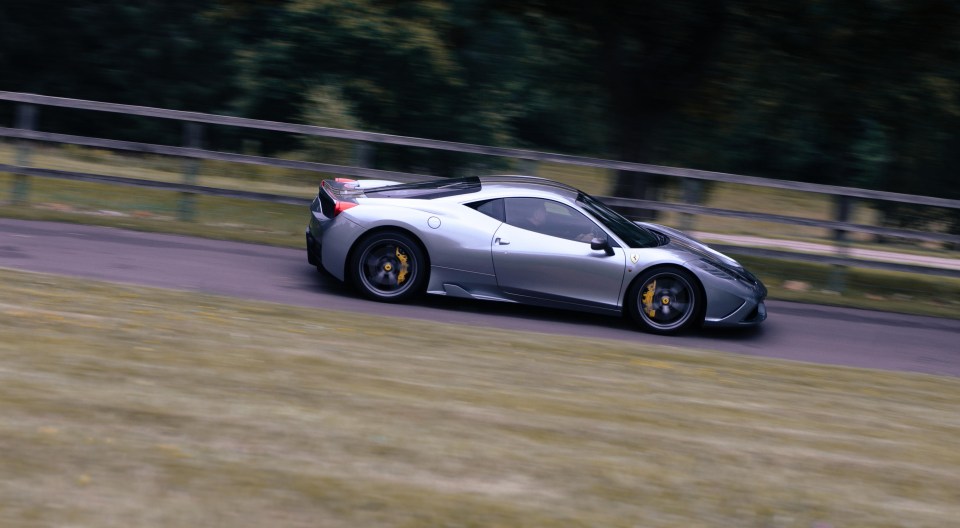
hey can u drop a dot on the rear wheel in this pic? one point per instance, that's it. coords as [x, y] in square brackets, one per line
[388, 266]
[665, 300]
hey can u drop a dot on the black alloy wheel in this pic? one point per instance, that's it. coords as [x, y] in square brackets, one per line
[388, 266]
[665, 300]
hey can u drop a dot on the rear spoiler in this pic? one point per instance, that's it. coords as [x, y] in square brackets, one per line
[341, 194]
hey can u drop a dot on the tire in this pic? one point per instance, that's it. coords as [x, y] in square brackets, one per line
[388, 266]
[666, 300]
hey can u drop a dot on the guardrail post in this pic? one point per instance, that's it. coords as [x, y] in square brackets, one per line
[363, 153]
[26, 118]
[838, 275]
[192, 138]
[528, 167]
[691, 196]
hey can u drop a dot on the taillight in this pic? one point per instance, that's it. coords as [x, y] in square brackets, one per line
[340, 207]
[330, 200]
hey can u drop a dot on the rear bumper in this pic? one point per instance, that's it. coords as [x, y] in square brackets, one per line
[313, 250]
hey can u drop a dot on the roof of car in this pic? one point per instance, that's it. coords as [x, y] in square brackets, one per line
[526, 180]
[438, 188]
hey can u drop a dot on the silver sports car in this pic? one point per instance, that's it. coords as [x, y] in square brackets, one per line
[526, 240]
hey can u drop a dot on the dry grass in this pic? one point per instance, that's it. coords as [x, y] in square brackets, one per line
[126, 406]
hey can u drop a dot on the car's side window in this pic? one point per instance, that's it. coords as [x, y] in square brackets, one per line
[549, 218]
[491, 208]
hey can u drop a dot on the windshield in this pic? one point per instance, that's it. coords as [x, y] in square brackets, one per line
[632, 235]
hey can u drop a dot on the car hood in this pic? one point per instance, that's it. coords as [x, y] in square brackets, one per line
[691, 245]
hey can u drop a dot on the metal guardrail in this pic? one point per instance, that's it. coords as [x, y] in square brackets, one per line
[374, 137]
[154, 184]
[195, 153]
[835, 260]
[781, 219]
[26, 117]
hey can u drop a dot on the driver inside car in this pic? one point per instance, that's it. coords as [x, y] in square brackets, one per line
[537, 220]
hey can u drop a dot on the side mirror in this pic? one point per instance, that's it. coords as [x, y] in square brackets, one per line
[601, 244]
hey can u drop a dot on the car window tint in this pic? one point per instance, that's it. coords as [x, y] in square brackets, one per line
[632, 235]
[550, 218]
[491, 208]
[554, 208]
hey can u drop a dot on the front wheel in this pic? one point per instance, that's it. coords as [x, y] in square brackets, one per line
[665, 300]
[388, 266]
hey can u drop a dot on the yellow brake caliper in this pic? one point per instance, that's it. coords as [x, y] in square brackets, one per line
[648, 299]
[402, 276]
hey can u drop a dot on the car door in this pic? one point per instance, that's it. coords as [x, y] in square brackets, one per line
[551, 262]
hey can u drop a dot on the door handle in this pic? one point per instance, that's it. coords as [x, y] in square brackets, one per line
[502, 242]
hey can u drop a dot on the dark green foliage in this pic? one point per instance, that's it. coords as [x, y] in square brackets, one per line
[861, 93]
[169, 54]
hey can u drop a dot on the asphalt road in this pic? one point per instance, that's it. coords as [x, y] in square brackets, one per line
[792, 331]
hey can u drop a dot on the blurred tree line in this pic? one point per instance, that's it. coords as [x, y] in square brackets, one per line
[859, 93]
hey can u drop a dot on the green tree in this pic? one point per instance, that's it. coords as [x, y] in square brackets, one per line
[642, 60]
[457, 71]
[844, 93]
[325, 106]
[166, 54]
[386, 60]
[857, 93]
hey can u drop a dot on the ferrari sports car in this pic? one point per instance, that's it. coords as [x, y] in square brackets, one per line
[523, 239]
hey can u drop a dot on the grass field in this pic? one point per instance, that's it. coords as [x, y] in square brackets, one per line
[127, 406]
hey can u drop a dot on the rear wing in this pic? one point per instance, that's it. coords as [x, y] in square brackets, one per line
[341, 194]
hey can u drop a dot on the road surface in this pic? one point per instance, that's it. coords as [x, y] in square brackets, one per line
[793, 331]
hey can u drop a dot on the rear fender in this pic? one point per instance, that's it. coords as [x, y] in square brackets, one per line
[457, 238]
[338, 238]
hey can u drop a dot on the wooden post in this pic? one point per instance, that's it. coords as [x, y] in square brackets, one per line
[192, 138]
[26, 119]
[528, 167]
[691, 196]
[838, 275]
[363, 153]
